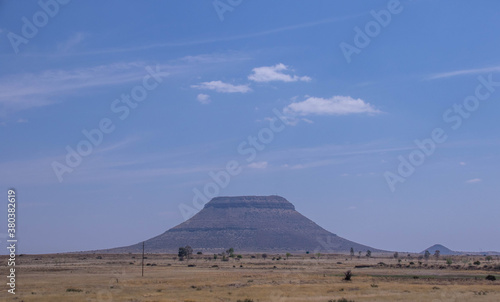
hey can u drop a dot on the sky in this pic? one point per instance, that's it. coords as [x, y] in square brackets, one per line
[378, 120]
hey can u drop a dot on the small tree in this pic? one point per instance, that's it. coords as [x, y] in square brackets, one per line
[396, 255]
[318, 255]
[230, 251]
[352, 253]
[264, 256]
[189, 251]
[368, 254]
[427, 254]
[449, 261]
[288, 255]
[182, 252]
[348, 276]
[437, 253]
[488, 258]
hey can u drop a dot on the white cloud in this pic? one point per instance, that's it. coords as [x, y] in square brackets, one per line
[220, 86]
[258, 165]
[462, 163]
[474, 180]
[275, 73]
[21, 120]
[336, 105]
[203, 98]
[462, 72]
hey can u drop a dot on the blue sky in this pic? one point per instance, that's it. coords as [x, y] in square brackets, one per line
[221, 74]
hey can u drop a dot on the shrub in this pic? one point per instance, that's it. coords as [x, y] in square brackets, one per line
[477, 262]
[246, 300]
[491, 278]
[348, 275]
[76, 290]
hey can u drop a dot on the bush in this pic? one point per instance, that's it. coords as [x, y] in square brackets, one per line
[76, 290]
[348, 276]
[246, 300]
[477, 263]
[340, 300]
[491, 278]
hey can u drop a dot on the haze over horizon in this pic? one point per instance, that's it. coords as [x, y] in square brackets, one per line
[213, 81]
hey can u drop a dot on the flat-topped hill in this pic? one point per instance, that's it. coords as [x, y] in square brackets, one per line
[248, 224]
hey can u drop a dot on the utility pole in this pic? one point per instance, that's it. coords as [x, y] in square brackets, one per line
[143, 259]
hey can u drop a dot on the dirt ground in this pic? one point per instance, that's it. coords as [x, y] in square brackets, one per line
[94, 277]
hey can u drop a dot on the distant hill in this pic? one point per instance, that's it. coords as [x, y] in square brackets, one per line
[248, 224]
[443, 250]
[446, 251]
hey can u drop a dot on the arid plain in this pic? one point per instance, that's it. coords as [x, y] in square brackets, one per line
[304, 277]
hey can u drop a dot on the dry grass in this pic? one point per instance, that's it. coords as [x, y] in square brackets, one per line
[74, 277]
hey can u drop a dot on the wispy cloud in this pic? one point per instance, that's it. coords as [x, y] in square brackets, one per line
[258, 165]
[69, 44]
[203, 98]
[336, 105]
[473, 181]
[275, 73]
[216, 39]
[109, 162]
[456, 73]
[29, 90]
[220, 86]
